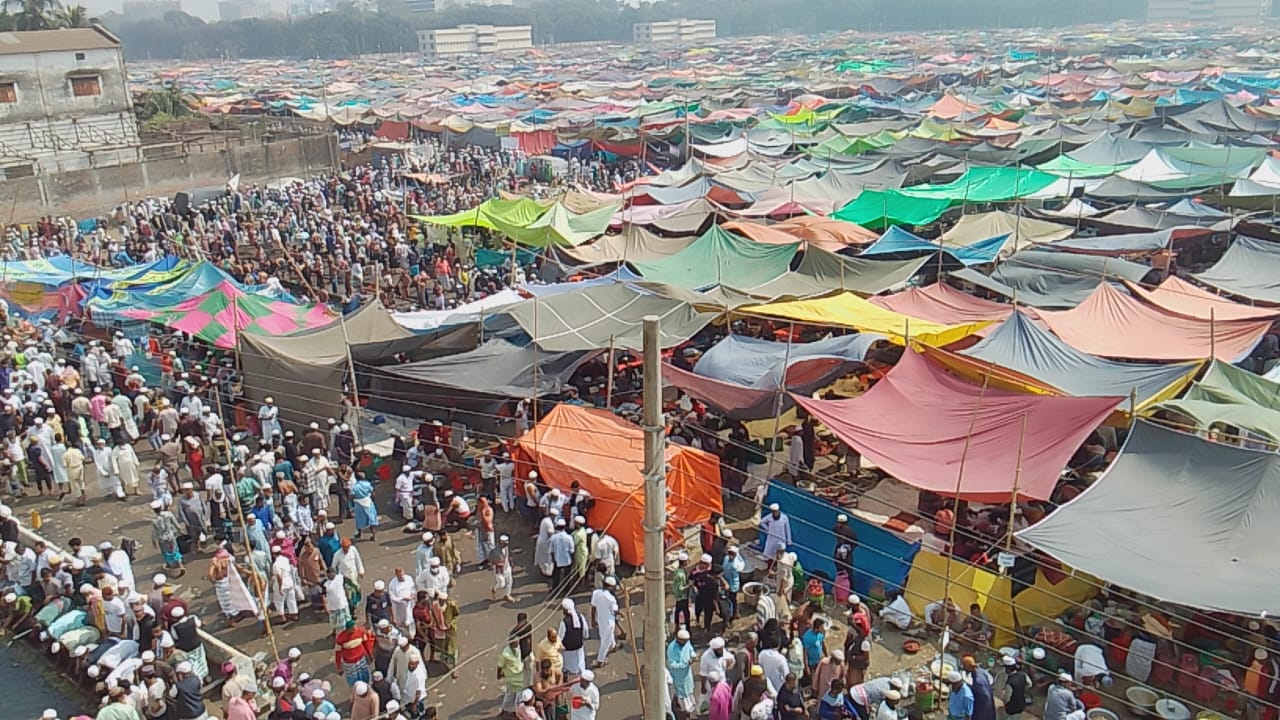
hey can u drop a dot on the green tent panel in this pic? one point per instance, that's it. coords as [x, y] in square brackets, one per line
[878, 209]
[719, 257]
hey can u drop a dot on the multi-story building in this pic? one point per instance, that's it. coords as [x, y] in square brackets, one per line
[232, 10]
[136, 10]
[475, 40]
[681, 31]
[1208, 12]
[63, 95]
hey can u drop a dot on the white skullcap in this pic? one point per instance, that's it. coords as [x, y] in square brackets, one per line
[439, 451]
[55, 648]
[49, 714]
[379, 585]
[392, 706]
[148, 656]
[427, 537]
[361, 687]
[1037, 653]
[1064, 677]
[717, 643]
[775, 506]
[81, 651]
[317, 694]
[157, 504]
[1008, 660]
[842, 518]
[159, 579]
[895, 683]
[94, 671]
[682, 556]
[837, 655]
[526, 695]
[294, 653]
[954, 677]
[402, 641]
[611, 581]
[682, 634]
[588, 675]
[277, 682]
[893, 695]
[177, 612]
[434, 562]
[327, 526]
[706, 558]
[567, 605]
[384, 623]
[533, 474]
[715, 676]
[106, 545]
[405, 468]
[184, 667]
[855, 600]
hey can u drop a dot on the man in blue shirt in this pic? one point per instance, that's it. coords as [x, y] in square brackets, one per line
[960, 704]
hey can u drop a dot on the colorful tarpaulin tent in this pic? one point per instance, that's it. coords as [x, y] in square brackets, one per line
[821, 273]
[634, 244]
[878, 209]
[1111, 324]
[762, 364]
[1178, 296]
[1249, 268]
[217, 316]
[1169, 502]
[1018, 233]
[517, 212]
[849, 310]
[1232, 396]
[1018, 344]
[720, 258]
[813, 230]
[915, 425]
[605, 455]
[897, 242]
[1048, 279]
[557, 226]
[943, 304]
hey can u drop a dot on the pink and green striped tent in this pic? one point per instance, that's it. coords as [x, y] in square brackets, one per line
[217, 315]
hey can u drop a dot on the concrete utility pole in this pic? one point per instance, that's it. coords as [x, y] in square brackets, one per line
[655, 521]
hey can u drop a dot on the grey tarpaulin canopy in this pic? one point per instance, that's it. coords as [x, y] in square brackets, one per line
[634, 244]
[761, 363]
[1171, 503]
[1249, 268]
[475, 384]
[822, 272]
[588, 319]
[1048, 279]
[1020, 345]
[305, 371]
[740, 376]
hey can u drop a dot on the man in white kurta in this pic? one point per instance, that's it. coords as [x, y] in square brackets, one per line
[403, 592]
[268, 419]
[284, 585]
[776, 529]
[104, 464]
[604, 611]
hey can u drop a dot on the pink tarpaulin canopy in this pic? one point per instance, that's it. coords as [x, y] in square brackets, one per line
[913, 424]
[943, 304]
[1111, 324]
[1182, 298]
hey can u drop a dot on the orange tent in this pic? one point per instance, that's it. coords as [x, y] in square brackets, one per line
[605, 454]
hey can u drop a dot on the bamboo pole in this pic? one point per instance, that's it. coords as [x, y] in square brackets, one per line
[610, 364]
[955, 508]
[635, 650]
[781, 395]
[259, 590]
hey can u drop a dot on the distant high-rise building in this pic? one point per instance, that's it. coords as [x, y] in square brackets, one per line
[475, 40]
[135, 10]
[231, 10]
[681, 31]
[1208, 12]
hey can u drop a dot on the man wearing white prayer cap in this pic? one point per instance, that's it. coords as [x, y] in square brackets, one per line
[584, 698]
[775, 527]
[573, 637]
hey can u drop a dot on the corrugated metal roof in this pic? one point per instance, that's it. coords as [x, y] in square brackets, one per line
[65, 40]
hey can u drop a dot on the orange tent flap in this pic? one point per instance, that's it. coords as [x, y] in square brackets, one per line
[605, 454]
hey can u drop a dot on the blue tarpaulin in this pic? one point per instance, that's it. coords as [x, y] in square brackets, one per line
[897, 242]
[881, 555]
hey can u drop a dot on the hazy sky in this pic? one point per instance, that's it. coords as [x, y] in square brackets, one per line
[207, 9]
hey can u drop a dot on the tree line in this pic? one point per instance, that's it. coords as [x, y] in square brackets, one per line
[350, 30]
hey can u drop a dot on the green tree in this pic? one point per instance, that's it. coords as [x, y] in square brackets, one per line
[75, 16]
[32, 14]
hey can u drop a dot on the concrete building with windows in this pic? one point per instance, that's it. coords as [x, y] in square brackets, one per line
[475, 40]
[681, 31]
[1208, 12]
[64, 95]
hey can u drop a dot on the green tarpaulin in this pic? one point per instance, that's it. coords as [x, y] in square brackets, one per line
[878, 209]
[719, 257]
[520, 212]
[1226, 394]
[986, 184]
[558, 226]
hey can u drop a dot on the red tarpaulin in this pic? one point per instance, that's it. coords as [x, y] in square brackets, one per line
[1111, 324]
[914, 422]
[943, 304]
[396, 130]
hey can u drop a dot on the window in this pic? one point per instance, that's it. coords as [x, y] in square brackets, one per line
[8, 92]
[86, 86]
[79, 57]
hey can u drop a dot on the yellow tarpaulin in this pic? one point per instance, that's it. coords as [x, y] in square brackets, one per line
[1037, 605]
[849, 310]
